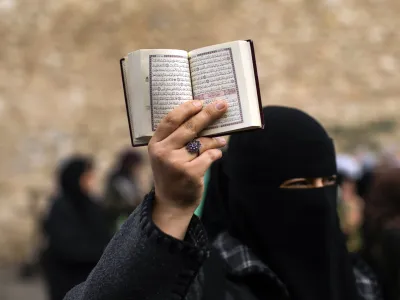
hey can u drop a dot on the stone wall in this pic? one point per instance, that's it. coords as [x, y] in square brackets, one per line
[60, 88]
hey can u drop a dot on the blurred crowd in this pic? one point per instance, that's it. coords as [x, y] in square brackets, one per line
[369, 187]
[79, 223]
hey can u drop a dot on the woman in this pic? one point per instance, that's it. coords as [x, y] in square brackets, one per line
[122, 193]
[283, 239]
[382, 247]
[76, 229]
[351, 205]
[282, 205]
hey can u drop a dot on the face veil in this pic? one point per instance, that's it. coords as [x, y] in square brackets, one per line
[294, 231]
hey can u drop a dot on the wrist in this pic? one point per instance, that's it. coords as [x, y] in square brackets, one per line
[170, 219]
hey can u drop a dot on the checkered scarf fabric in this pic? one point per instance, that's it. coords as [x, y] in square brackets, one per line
[241, 261]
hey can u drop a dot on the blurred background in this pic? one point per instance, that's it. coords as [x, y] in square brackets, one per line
[61, 93]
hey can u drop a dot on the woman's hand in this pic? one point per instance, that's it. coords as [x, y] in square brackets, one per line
[178, 174]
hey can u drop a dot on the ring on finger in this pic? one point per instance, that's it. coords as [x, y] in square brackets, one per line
[206, 143]
[193, 147]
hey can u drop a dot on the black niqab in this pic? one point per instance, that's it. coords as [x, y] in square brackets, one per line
[294, 231]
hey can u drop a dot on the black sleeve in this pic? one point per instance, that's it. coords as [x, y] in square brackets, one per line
[391, 257]
[143, 263]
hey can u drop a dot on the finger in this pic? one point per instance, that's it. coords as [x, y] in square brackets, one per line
[206, 143]
[201, 164]
[175, 118]
[192, 127]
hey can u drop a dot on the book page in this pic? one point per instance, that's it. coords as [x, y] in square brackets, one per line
[160, 82]
[225, 71]
[214, 76]
[169, 83]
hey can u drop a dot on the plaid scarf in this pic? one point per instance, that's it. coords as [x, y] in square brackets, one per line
[241, 261]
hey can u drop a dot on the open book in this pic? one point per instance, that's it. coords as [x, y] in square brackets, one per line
[156, 81]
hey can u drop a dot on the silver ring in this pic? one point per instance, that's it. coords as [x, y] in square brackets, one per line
[193, 147]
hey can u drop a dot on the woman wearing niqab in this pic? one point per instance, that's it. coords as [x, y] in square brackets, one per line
[282, 204]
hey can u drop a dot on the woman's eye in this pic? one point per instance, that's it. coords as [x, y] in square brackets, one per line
[330, 180]
[298, 184]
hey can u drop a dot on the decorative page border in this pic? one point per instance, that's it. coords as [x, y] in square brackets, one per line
[153, 126]
[236, 85]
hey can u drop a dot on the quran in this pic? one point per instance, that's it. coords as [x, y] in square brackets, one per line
[156, 81]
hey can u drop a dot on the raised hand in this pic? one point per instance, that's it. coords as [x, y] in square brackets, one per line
[179, 174]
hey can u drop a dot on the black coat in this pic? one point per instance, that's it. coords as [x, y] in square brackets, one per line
[386, 262]
[141, 262]
[76, 240]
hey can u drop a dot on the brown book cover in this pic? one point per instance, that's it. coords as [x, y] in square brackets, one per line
[121, 63]
[253, 56]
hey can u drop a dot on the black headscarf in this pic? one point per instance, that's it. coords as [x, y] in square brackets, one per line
[364, 184]
[294, 231]
[70, 174]
[127, 161]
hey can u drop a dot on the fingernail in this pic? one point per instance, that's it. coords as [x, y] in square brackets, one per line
[197, 103]
[220, 140]
[220, 105]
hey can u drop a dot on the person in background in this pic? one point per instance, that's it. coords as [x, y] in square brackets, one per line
[382, 230]
[122, 193]
[388, 158]
[30, 266]
[368, 162]
[284, 239]
[76, 229]
[350, 204]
